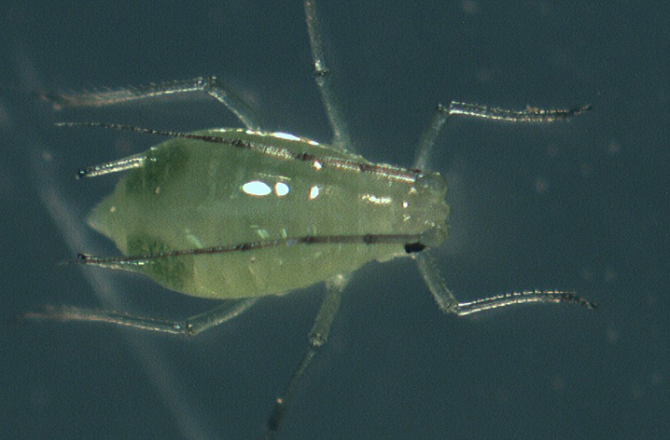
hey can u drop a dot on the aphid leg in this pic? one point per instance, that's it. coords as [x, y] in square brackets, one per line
[429, 137]
[323, 76]
[190, 326]
[448, 303]
[317, 338]
[210, 86]
[115, 166]
[443, 113]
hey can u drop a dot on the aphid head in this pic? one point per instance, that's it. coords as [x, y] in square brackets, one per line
[427, 209]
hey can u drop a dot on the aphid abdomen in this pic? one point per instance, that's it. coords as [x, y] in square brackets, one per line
[192, 194]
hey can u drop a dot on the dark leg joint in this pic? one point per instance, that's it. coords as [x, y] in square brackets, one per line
[276, 416]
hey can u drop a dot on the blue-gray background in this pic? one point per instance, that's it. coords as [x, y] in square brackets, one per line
[582, 206]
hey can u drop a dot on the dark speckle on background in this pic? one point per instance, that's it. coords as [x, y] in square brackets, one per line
[580, 206]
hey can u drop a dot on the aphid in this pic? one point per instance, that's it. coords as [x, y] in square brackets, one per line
[238, 214]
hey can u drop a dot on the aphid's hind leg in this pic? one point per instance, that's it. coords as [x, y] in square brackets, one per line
[323, 76]
[316, 339]
[448, 303]
[190, 326]
[443, 113]
[210, 86]
[115, 166]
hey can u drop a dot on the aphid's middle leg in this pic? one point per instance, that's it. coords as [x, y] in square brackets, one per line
[323, 75]
[211, 86]
[317, 338]
[448, 303]
[443, 113]
[190, 326]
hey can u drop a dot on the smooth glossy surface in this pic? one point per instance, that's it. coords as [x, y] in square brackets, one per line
[191, 194]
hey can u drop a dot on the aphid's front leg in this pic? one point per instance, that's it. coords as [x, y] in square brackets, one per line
[455, 108]
[190, 326]
[317, 338]
[210, 86]
[448, 303]
[323, 75]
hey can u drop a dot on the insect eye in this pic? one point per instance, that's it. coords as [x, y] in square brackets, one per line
[411, 248]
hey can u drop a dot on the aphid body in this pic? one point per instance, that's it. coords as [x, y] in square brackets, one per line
[191, 194]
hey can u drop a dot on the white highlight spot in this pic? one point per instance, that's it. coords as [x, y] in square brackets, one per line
[376, 200]
[281, 189]
[314, 192]
[256, 188]
[317, 165]
[194, 239]
[287, 136]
